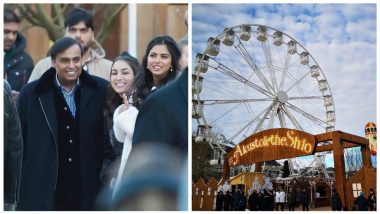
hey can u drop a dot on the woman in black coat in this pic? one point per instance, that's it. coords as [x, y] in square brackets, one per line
[336, 202]
[304, 200]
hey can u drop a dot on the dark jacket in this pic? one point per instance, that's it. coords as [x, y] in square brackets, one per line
[12, 148]
[253, 201]
[304, 198]
[372, 201]
[18, 65]
[38, 117]
[362, 203]
[291, 198]
[236, 197]
[227, 200]
[219, 201]
[163, 116]
[336, 202]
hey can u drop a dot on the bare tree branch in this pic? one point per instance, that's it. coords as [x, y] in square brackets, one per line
[38, 15]
[110, 16]
[26, 14]
[59, 13]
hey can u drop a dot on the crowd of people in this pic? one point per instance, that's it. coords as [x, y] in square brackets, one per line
[267, 200]
[262, 200]
[77, 125]
[366, 203]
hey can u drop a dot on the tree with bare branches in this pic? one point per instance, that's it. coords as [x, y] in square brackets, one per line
[51, 16]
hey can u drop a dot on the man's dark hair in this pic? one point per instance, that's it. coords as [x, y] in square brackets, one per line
[62, 44]
[77, 15]
[10, 16]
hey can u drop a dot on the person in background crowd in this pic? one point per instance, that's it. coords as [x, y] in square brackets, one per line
[18, 65]
[227, 201]
[282, 198]
[183, 47]
[291, 199]
[260, 203]
[159, 66]
[271, 195]
[243, 202]
[336, 202]
[372, 200]
[63, 131]
[235, 199]
[361, 202]
[266, 200]
[253, 200]
[219, 201]
[12, 150]
[304, 200]
[79, 25]
[277, 198]
[123, 72]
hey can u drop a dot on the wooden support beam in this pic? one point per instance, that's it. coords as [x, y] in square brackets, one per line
[339, 167]
[226, 169]
[324, 136]
[330, 147]
[354, 139]
[366, 157]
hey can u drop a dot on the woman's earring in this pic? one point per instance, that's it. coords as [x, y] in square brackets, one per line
[171, 69]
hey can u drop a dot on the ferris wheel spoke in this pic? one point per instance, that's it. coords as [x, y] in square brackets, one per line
[292, 118]
[261, 121]
[285, 70]
[249, 109]
[297, 82]
[310, 117]
[306, 98]
[281, 118]
[273, 115]
[247, 57]
[241, 130]
[212, 102]
[229, 72]
[224, 93]
[250, 123]
[227, 124]
[268, 57]
[225, 113]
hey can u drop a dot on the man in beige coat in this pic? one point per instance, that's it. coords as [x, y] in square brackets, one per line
[79, 26]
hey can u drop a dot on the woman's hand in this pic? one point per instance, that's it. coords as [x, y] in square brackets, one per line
[126, 104]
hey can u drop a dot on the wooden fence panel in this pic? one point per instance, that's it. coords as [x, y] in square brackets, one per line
[204, 195]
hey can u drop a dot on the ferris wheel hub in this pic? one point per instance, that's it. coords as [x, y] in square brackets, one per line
[282, 96]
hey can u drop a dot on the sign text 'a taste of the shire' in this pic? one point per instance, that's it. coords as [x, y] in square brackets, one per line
[272, 145]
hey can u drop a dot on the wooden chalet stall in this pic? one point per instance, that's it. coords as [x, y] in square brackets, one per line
[275, 144]
[245, 180]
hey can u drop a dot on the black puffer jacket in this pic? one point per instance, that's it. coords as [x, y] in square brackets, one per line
[18, 65]
[13, 147]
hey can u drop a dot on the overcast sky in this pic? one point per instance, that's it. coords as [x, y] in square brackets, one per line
[341, 38]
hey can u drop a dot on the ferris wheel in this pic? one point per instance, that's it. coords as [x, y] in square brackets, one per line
[253, 77]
